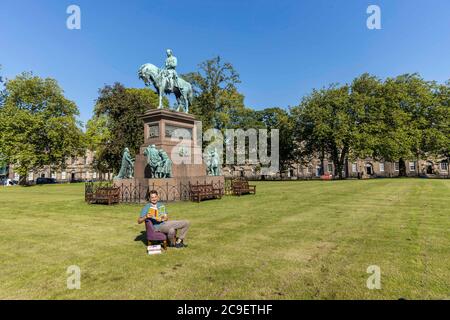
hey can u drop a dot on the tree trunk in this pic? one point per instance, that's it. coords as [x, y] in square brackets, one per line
[322, 165]
[402, 168]
[338, 160]
[335, 158]
[417, 164]
[346, 168]
[448, 166]
[23, 179]
[342, 161]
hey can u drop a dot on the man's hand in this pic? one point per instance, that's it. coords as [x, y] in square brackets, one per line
[141, 219]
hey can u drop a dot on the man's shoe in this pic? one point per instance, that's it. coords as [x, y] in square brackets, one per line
[180, 245]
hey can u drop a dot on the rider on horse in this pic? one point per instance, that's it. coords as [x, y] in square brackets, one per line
[169, 71]
[166, 81]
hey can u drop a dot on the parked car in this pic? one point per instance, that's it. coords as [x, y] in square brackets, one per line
[8, 182]
[45, 181]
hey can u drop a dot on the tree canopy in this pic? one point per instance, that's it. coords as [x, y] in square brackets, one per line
[325, 124]
[39, 126]
[400, 118]
[216, 95]
[117, 123]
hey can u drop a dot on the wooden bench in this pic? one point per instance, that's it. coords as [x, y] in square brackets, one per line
[241, 187]
[199, 192]
[108, 195]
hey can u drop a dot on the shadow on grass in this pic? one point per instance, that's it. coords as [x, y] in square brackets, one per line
[142, 237]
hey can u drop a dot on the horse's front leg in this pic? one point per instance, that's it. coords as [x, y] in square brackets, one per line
[178, 103]
[186, 103]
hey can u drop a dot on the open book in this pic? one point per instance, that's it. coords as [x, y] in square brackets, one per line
[157, 214]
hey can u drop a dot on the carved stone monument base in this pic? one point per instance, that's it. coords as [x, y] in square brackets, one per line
[175, 133]
[166, 130]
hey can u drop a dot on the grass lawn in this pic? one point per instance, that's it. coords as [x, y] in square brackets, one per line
[293, 240]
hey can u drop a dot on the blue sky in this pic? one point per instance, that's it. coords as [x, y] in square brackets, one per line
[282, 49]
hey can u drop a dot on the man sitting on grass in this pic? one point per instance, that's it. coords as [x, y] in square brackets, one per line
[156, 212]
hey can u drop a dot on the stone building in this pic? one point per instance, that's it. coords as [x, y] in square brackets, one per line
[81, 169]
[76, 169]
[367, 168]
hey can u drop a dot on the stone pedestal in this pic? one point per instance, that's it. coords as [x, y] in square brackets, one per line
[176, 133]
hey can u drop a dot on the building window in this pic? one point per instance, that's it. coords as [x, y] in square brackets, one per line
[63, 175]
[412, 166]
[382, 167]
[30, 176]
[54, 175]
[397, 166]
[94, 175]
[318, 171]
[330, 168]
[16, 176]
[444, 166]
[354, 167]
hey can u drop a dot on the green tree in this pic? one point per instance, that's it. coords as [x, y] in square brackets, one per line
[401, 118]
[3, 166]
[2, 89]
[98, 138]
[409, 105]
[438, 141]
[3, 163]
[216, 95]
[277, 118]
[117, 123]
[39, 126]
[325, 124]
[244, 118]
